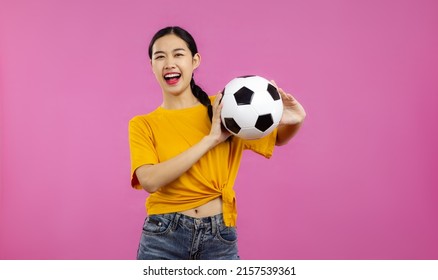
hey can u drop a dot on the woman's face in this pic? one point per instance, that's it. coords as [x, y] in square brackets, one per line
[173, 64]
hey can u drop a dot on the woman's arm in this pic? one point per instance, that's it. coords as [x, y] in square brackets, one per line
[153, 177]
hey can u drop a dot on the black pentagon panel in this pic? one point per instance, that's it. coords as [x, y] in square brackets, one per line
[231, 124]
[264, 122]
[243, 96]
[246, 76]
[273, 92]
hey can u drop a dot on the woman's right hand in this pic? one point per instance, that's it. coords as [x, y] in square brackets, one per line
[218, 132]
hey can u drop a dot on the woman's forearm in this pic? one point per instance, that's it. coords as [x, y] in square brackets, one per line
[153, 177]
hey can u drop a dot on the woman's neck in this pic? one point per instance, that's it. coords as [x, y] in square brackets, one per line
[180, 101]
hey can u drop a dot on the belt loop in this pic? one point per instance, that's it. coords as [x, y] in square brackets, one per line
[175, 221]
[214, 225]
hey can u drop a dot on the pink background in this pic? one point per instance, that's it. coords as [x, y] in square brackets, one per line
[358, 182]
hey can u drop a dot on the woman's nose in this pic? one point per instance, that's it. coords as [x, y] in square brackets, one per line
[169, 65]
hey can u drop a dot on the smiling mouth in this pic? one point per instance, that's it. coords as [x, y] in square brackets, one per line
[172, 78]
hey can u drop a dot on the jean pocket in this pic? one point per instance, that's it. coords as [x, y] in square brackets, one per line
[227, 235]
[156, 225]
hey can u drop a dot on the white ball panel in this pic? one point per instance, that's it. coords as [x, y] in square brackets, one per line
[230, 107]
[250, 133]
[277, 111]
[246, 117]
[263, 102]
[256, 83]
[234, 85]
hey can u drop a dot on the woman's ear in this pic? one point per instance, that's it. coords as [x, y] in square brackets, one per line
[196, 60]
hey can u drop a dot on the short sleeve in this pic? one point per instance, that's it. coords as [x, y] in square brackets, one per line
[263, 146]
[142, 148]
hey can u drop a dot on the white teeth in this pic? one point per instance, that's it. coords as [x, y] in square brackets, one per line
[169, 76]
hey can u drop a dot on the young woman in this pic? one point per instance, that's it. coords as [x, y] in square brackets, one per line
[180, 156]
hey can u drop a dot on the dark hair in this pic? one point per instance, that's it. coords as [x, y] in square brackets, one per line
[197, 91]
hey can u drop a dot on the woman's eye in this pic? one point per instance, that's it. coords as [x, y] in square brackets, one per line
[159, 57]
[179, 54]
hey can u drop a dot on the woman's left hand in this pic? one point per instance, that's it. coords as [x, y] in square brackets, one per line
[293, 111]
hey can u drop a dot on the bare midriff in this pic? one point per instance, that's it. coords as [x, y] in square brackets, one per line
[208, 209]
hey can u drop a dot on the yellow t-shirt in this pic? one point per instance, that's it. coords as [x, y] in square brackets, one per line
[163, 134]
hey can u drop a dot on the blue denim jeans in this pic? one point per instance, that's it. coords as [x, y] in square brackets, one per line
[179, 237]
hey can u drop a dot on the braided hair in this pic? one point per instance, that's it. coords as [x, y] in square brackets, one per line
[197, 91]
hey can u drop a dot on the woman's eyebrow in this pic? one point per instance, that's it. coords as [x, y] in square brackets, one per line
[159, 52]
[175, 50]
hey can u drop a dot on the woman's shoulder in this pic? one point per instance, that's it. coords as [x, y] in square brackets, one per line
[144, 118]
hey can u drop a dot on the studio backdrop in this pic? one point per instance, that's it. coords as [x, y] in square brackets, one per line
[359, 181]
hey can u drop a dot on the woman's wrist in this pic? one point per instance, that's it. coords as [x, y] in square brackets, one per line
[210, 141]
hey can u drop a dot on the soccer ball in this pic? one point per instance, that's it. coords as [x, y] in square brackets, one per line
[252, 107]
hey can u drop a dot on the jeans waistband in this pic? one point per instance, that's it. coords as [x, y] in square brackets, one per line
[212, 222]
